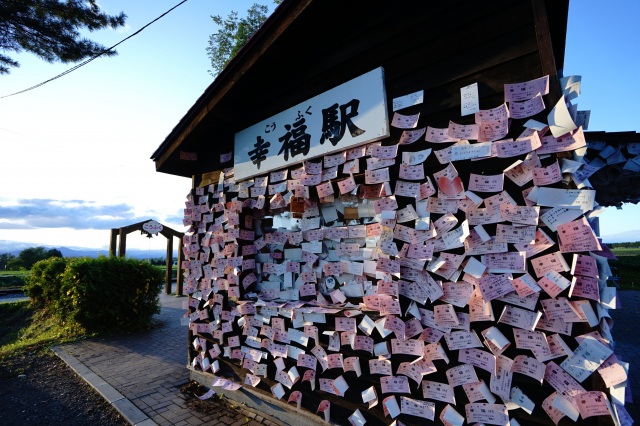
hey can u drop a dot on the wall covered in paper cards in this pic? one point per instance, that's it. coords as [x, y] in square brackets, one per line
[442, 273]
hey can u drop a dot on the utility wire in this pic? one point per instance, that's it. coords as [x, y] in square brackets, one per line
[81, 64]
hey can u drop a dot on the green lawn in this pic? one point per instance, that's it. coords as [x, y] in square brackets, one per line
[10, 273]
[22, 327]
[174, 270]
[627, 267]
[626, 251]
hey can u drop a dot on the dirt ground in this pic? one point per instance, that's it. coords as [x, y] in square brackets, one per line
[37, 388]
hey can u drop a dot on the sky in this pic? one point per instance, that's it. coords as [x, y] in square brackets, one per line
[75, 152]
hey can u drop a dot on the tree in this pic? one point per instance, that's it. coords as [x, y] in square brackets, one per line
[158, 261]
[30, 256]
[4, 260]
[50, 29]
[54, 252]
[233, 33]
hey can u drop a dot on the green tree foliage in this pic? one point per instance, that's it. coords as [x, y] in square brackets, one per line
[633, 244]
[30, 256]
[4, 260]
[232, 34]
[50, 29]
[157, 261]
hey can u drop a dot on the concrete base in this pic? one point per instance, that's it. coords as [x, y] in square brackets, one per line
[270, 406]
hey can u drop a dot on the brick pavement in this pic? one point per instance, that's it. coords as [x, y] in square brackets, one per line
[141, 375]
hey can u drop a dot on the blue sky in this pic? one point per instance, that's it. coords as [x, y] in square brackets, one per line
[76, 151]
[602, 46]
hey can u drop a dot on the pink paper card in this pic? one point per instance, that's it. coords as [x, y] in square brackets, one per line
[438, 135]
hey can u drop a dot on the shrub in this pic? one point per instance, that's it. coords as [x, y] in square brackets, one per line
[104, 294]
[44, 283]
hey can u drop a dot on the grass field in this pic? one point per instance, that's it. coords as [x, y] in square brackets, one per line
[11, 273]
[626, 251]
[627, 267]
[22, 326]
[174, 270]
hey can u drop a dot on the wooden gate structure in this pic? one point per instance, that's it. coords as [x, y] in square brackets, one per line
[150, 228]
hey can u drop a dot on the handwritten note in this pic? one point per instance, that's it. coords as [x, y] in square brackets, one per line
[469, 99]
[409, 100]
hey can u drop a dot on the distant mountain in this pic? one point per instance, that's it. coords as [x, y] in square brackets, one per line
[137, 254]
[15, 247]
[623, 237]
[68, 252]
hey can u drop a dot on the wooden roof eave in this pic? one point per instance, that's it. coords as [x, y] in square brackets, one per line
[268, 33]
[217, 112]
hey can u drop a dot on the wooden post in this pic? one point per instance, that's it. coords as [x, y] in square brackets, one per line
[545, 51]
[180, 278]
[122, 248]
[113, 241]
[167, 288]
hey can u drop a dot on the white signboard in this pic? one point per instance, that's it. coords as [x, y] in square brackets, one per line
[347, 115]
[152, 227]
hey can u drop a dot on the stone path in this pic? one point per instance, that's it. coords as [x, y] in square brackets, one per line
[141, 374]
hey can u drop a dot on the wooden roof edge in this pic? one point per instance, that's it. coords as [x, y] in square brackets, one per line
[269, 31]
[551, 52]
[630, 136]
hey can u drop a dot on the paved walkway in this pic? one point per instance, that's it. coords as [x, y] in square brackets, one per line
[141, 374]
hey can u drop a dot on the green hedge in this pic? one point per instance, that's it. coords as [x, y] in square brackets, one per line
[104, 294]
[44, 284]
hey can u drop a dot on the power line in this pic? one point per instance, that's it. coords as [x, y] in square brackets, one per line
[81, 64]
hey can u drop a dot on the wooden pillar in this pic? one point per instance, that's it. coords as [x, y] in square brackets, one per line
[545, 51]
[113, 242]
[180, 277]
[167, 288]
[122, 248]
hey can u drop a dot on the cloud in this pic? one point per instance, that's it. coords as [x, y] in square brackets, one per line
[7, 224]
[77, 214]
